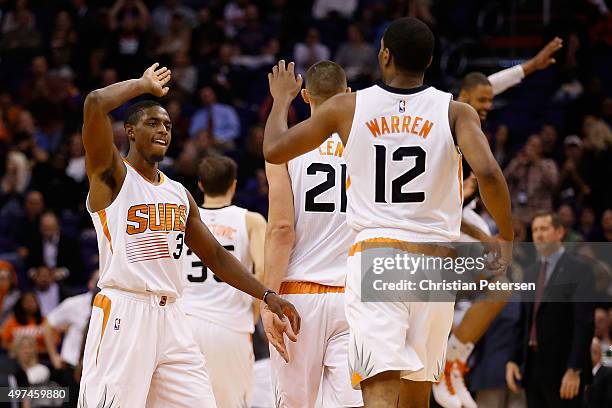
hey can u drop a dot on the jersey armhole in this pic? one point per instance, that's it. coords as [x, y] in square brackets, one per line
[348, 144]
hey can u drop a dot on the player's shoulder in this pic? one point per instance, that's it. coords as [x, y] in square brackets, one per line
[462, 110]
[254, 219]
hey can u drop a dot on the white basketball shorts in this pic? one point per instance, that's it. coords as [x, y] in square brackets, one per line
[140, 352]
[318, 373]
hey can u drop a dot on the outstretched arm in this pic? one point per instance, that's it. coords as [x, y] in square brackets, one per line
[256, 226]
[502, 80]
[475, 147]
[280, 234]
[105, 168]
[281, 145]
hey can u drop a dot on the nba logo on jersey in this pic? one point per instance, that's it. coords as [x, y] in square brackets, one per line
[402, 106]
[117, 323]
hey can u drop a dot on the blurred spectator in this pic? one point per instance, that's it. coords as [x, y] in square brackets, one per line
[48, 291]
[599, 393]
[207, 36]
[554, 333]
[177, 40]
[11, 19]
[500, 145]
[345, 8]
[29, 221]
[17, 175]
[22, 33]
[233, 16]
[57, 251]
[219, 119]
[26, 320]
[568, 219]
[550, 147]
[63, 40]
[357, 57]
[164, 13]
[184, 74]
[587, 226]
[603, 328]
[70, 318]
[606, 225]
[253, 35]
[136, 8]
[252, 158]
[224, 73]
[76, 160]
[29, 372]
[572, 185]
[532, 181]
[128, 46]
[309, 51]
[9, 294]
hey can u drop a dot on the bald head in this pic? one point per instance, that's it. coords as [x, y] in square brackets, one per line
[324, 80]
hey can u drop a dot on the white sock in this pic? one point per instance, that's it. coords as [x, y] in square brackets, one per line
[456, 350]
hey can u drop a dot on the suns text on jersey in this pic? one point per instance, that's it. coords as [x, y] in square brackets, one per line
[405, 124]
[163, 217]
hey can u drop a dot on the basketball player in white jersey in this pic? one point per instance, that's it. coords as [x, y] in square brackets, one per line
[478, 91]
[139, 349]
[222, 317]
[306, 248]
[400, 146]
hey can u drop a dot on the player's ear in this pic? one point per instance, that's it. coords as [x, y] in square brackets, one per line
[430, 60]
[305, 95]
[129, 131]
[200, 186]
[463, 95]
[348, 90]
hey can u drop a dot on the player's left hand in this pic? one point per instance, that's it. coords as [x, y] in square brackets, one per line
[284, 85]
[279, 317]
[544, 58]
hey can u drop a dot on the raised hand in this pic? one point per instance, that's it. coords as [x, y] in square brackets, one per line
[283, 82]
[154, 79]
[544, 58]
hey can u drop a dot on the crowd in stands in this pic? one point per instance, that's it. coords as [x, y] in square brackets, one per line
[52, 53]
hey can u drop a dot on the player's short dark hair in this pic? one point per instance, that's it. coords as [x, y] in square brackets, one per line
[217, 173]
[134, 112]
[325, 79]
[554, 217]
[411, 44]
[473, 79]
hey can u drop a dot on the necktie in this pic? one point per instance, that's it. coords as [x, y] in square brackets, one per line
[533, 337]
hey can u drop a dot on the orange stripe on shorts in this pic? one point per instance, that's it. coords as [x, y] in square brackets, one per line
[103, 303]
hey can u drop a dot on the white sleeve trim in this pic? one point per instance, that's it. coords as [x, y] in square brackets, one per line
[502, 80]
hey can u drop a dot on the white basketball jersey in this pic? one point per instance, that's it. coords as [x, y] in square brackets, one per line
[206, 296]
[322, 237]
[406, 180]
[141, 236]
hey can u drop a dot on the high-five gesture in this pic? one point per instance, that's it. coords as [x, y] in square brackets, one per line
[284, 85]
[544, 58]
[154, 79]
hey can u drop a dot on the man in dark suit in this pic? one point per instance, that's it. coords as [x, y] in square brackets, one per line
[57, 251]
[556, 325]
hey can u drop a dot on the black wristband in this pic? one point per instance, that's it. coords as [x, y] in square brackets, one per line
[266, 293]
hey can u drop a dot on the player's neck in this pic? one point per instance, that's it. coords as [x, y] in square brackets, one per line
[144, 167]
[217, 202]
[404, 80]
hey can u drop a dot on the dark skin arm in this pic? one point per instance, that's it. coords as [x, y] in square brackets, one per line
[105, 168]
[465, 124]
[231, 271]
[334, 115]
